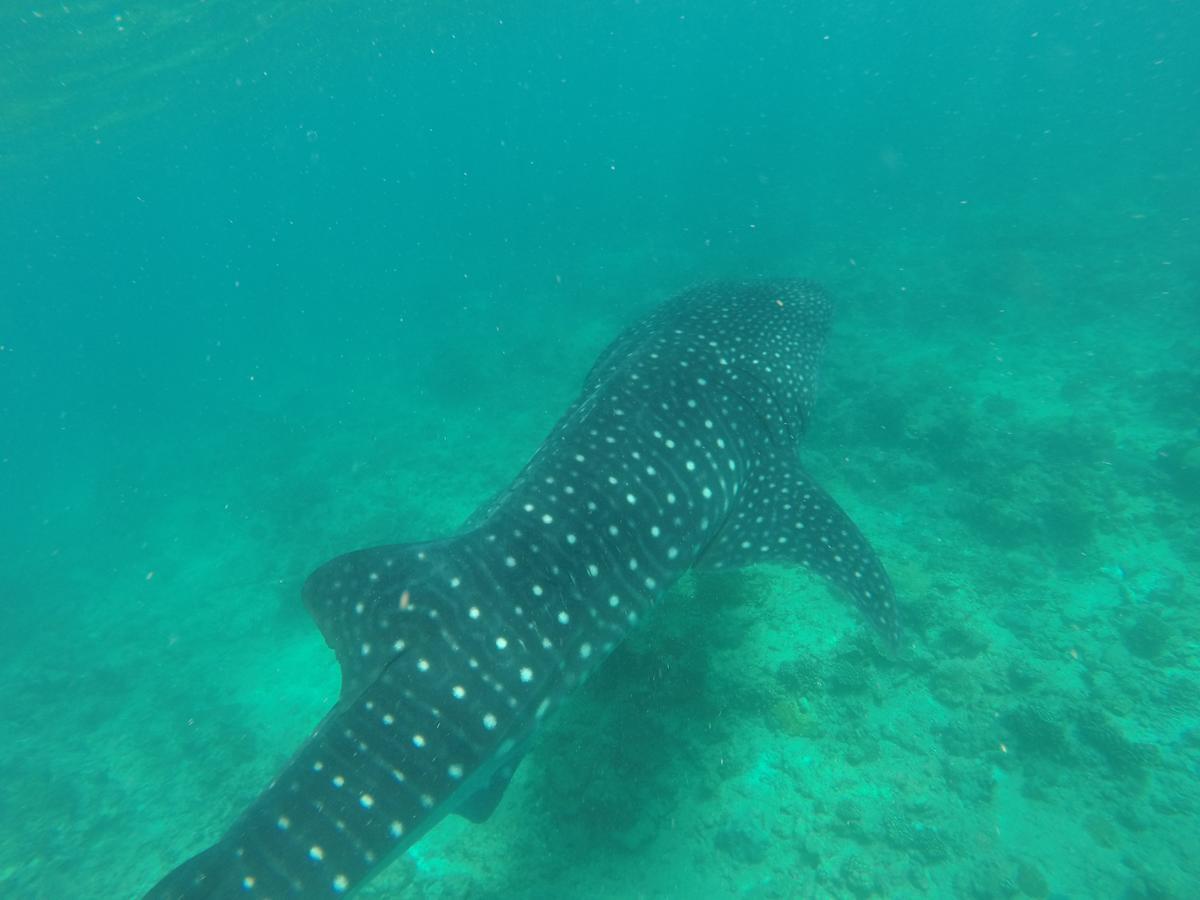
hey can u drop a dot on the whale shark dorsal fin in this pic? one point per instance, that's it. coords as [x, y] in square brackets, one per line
[358, 600]
[783, 516]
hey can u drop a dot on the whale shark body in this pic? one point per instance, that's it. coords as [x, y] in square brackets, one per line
[680, 452]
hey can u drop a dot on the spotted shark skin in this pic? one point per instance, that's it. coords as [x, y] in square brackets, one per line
[680, 452]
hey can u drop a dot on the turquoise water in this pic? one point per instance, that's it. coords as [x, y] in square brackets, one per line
[278, 281]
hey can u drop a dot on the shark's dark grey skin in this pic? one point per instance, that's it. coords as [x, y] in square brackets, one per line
[680, 452]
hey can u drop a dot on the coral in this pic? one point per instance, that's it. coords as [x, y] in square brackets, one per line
[858, 877]
[1182, 695]
[1103, 830]
[801, 676]
[923, 842]
[1031, 881]
[859, 743]
[790, 716]
[990, 879]
[970, 737]
[1147, 635]
[970, 778]
[848, 676]
[954, 684]
[848, 820]
[961, 640]
[1124, 757]
[742, 844]
[1022, 674]
[1037, 729]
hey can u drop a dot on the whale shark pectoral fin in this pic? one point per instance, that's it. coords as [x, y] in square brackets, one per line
[196, 879]
[479, 806]
[783, 516]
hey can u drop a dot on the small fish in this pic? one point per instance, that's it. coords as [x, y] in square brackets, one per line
[680, 453]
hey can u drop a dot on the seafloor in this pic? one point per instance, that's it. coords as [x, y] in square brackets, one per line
[1013, 420]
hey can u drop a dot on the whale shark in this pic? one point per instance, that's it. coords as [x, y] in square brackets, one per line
[681, 452]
